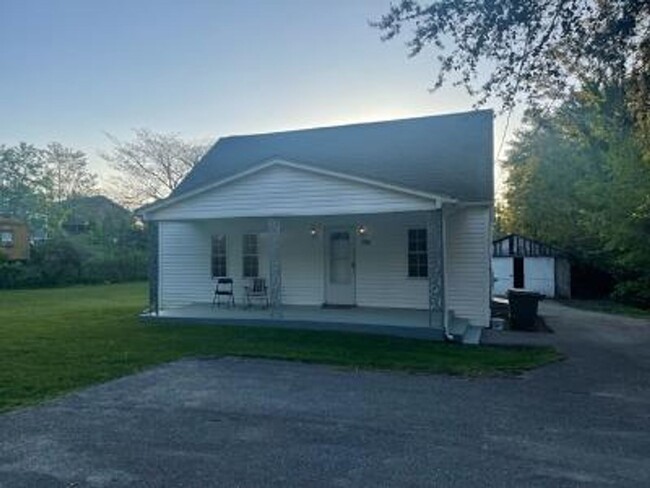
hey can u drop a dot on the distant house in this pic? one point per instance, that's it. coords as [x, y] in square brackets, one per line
[520, 262]
[98, 213]
[14, 239]
[379, 223]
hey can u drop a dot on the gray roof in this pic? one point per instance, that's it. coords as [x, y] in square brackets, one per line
[449, 155]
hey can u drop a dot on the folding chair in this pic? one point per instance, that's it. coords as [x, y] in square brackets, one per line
[224, 288]
[256, 290]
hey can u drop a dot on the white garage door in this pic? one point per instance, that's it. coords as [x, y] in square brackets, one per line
[539, 275]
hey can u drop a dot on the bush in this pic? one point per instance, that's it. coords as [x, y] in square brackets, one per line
[59, 262]
[634, 292]
[127, 266]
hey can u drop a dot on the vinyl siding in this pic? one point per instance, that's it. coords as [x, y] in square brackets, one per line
[185, 268]
[382, 265]
[184, 264]
[284, 191]
[468, 264]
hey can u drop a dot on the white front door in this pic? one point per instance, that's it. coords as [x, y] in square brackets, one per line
[340, 267]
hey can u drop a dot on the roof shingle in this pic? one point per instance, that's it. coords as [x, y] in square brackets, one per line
[449, 155]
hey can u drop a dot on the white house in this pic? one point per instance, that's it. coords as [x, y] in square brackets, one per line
[520, 262]
[385, 224]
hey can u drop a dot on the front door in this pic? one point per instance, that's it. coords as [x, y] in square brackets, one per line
[340, 267]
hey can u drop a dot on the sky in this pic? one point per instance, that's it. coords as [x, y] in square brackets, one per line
[72, 71]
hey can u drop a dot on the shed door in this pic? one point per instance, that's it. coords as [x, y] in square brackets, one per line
[502, 270]
[340, 285]
[518, 271]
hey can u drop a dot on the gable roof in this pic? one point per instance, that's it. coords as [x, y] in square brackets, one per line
[449, 155]
[518, 245]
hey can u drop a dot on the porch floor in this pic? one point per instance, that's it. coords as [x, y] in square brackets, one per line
[371, 320]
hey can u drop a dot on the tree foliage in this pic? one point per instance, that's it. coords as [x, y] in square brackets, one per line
[151, 165]
[68, 172]
[580, 178]
[525, 50]
[24, 182]
[34, 181]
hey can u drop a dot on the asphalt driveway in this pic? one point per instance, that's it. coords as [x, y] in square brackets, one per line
[240, 422]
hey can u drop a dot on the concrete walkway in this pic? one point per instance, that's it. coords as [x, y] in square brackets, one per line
[236, 422]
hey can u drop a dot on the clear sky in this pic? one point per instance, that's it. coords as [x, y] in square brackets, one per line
[73, 70]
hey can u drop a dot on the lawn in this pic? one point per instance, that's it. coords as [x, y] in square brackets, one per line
[57, 340]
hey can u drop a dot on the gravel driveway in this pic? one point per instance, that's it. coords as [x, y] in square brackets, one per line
[240, 422]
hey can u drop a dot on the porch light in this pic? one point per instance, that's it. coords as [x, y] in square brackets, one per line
[313, 231]
[362, 230]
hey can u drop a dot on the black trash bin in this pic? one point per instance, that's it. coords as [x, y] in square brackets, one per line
[523, 306]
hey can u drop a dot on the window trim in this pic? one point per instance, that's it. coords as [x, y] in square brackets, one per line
[245, 255]
[214, 255]
[12, 238]
[417, 253]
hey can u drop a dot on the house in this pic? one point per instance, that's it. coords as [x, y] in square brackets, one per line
[384, 224]
[520, 262]
[97, 214]
[14, 239]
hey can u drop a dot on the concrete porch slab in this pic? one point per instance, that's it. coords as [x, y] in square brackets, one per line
[368, 320]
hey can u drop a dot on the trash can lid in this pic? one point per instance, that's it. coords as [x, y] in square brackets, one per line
[525, 292]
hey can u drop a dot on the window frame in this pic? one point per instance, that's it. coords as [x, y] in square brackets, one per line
[250, 255]
[417, 257]
[220, 253]
[12, 238]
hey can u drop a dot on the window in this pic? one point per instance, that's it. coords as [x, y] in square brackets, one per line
[251, 263]
[219, 261]
[6, 238]
[417, 253]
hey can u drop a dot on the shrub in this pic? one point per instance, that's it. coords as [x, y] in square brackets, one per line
[61, 262]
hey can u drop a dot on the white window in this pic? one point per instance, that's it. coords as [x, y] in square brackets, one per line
[219, 261]
[251, 261]
[417, 253]
[6, 238]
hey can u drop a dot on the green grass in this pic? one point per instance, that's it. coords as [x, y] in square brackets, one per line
[608, 306]
[57, 340]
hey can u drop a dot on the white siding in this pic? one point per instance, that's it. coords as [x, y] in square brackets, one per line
[285, 191]
[302, 264]
[382, 265]
[184, 267]
[468, 264]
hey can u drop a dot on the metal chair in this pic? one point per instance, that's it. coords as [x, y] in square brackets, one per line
[224, 288]
[256, 290]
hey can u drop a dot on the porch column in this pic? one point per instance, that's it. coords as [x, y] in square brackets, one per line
[435, 264]
[152, 229]
[275, 267]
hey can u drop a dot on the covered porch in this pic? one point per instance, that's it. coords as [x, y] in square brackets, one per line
[380, 272]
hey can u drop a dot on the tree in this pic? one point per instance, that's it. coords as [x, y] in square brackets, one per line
[151, 165]
[532, 51]
[68, 171]
[24, 182]
[580, 178]
[35, 183]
